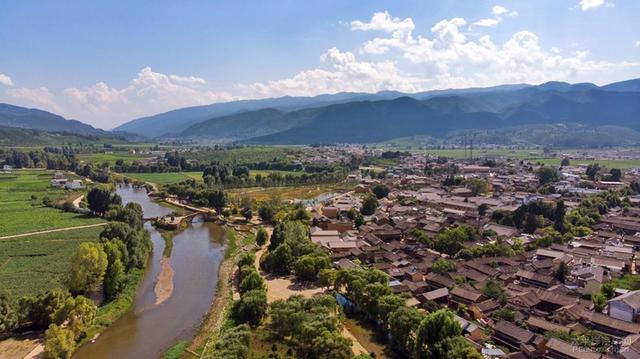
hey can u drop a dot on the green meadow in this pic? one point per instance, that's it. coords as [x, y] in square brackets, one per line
[21, 209]
[111, 158]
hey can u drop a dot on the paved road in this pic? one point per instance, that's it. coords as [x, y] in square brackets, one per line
[53, 230]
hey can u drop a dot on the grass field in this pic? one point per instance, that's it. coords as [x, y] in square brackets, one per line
[244, 155]
[480, 153]
[29, 265]
[287, 193]
[111, 158]
[164, 178]
[21, 209]
[621, 164]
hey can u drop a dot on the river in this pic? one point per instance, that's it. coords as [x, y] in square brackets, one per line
[147, 330]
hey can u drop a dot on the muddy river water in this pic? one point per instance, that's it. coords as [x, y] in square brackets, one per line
[148, 329]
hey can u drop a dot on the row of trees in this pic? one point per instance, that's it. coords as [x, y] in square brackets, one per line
[49, 157]
[412, 333]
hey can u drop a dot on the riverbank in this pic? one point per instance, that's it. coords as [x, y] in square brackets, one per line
[110, 312]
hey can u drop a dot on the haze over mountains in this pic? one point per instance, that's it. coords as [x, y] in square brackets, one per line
[366, 118]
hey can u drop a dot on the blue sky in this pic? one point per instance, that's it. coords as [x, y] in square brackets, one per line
[106, 62]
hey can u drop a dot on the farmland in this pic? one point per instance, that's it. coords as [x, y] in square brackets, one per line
[244, 155]
[165, 177]
[29, 265]
[21, 208]
[621, 164]
[111, 158]
[289, 193]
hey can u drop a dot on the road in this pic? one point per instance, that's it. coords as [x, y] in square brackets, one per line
[53, 230]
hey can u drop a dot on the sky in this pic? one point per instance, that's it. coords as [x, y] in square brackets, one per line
[108, 62]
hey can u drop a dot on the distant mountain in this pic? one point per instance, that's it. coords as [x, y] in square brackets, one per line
[13, 136]
[30, 118]
[373, 121]
[170, 123]
[624, 86]
[361, 117]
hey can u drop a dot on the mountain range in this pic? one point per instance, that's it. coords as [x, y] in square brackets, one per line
[367, 118]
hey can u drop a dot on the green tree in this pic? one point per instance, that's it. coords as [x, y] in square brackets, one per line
[547, 175]
[59, 343]
[78, 313]
[246, 259]
[615, 175]
[434, 329]
[562, 272]
[565, 162]
[592, 171]
[261, 236]
[327, 277]
[388, 304]
[8, 315]
[88, 266]
[252, 281]
[443, 266]
[99, 200]
[380, 190]
[217, 200]
[599, 301]
[609, 290]
[559, 215]
[455, 348]
[369, 205]
[309, 265]
[331, 345]
[251, 308]
[403, 324]
[115, 279]
[493, 289]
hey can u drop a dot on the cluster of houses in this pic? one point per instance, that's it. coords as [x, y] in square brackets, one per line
[61, 181]
[538, 315]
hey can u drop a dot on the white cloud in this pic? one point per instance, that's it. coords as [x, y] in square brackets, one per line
[445, 58]
[636, 43]
[487, 22]
[341, 72]
[148, 93]
[498, 12]
[587, 5]
[39, 97]
[5, 80]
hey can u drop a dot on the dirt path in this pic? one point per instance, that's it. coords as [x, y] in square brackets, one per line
[283, 288]
[76, 202]
[53, 230]
[20, 348]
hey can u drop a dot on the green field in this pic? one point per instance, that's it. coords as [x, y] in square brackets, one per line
[29, 265]
[111, 158]
[480, 153]
[174, 177]
[165, 177]
[621, 164]
[21, 213]
[245, 155]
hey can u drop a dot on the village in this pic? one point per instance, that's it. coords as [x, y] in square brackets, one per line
[522, 283]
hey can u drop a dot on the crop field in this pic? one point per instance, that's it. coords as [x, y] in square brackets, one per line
[288, 193]
[244, 155]
[29, 265]
[111, 158]
[21, 209]
[283, 173]
[164, 178]
[621, 164]
[480, 153]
